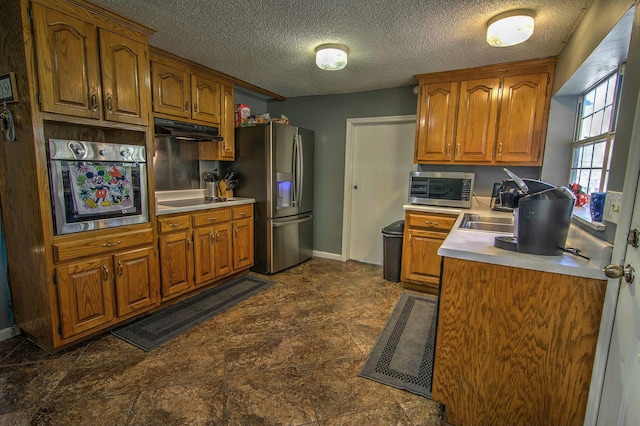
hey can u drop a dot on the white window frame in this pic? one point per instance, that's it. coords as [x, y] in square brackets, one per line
[608, 137]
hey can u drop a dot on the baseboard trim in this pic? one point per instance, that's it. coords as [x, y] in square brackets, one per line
[327, 255]
[8, 333]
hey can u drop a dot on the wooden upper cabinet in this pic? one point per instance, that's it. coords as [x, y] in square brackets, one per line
[125, 78]
[227, 125]
[184, 91]
[171, 90]
[87, 71]
[522, 118]
[477, 117]
[68, 68]
[488, 115]
[205, 98]
[436, 121]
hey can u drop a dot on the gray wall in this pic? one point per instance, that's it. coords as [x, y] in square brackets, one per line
[599, 18]
[327, 117]
[628, 105]
[557, 152]
[257, 104]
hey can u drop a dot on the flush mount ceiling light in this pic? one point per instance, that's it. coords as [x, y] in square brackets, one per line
[331, 57]
[510, 28]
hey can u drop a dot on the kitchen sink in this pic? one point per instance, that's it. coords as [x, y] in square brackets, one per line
[487, 223]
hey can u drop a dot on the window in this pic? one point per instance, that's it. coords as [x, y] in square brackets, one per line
[595, 134]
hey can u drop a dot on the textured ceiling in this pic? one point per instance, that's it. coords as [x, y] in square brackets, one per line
[270, 43]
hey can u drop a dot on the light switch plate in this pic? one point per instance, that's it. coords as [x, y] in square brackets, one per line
[612, 205]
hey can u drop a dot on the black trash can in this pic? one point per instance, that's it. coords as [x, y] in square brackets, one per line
[392, 250]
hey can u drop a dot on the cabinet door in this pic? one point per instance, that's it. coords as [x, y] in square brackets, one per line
[205, 98]
[68, 68]
[85, 293]
[136, 280]
[242, 243]
[171, 92]
[436, 122]
[420, 260]
[176, 263]
[522, 117]
[203, 241]
[223, 249]
[125, 78]
[227, 125]
[477, 117]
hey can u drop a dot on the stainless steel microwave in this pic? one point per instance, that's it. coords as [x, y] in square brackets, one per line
[446, 189]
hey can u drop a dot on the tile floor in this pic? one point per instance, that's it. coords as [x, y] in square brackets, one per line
[288, 356]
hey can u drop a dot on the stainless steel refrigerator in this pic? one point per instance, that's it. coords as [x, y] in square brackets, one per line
[275, 166]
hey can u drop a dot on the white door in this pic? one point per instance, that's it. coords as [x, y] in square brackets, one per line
[620, 401]
[382, 157]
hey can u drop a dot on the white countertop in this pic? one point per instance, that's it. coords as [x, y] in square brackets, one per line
[475, 245]
[193, 194]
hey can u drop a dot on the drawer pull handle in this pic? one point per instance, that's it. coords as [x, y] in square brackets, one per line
[457, 150]
[500, 149]
[173, 225]
[213, 218]
[111, 244]
[188, 244]
[120, 268]
[211, 238]
[105, 272]
[217, 237]
[242, 213]
[431, 223]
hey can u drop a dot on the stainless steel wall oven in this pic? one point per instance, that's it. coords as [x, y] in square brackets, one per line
[96, 185]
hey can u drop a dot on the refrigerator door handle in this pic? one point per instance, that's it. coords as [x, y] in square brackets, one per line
[300, 177]
[294, 169]
[292, 222]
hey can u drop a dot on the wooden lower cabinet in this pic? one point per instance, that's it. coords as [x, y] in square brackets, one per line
[423, 235]
[242, 217]
[85, 295]
[135, 271]
[94, 292]
[514, 346]
[199, 248]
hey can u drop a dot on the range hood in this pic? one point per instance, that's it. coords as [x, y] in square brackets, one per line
[187, 132]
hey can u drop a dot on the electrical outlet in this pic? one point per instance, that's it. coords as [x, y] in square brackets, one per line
[612, 205]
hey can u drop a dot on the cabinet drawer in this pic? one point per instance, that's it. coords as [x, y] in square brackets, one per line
[73, 249]
[242, 212]
[211, 216]
[430, 221]
[173, 223]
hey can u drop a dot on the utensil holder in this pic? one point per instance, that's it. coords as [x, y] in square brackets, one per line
[210, 190]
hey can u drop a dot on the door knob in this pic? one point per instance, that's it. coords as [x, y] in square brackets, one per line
[617, 271]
